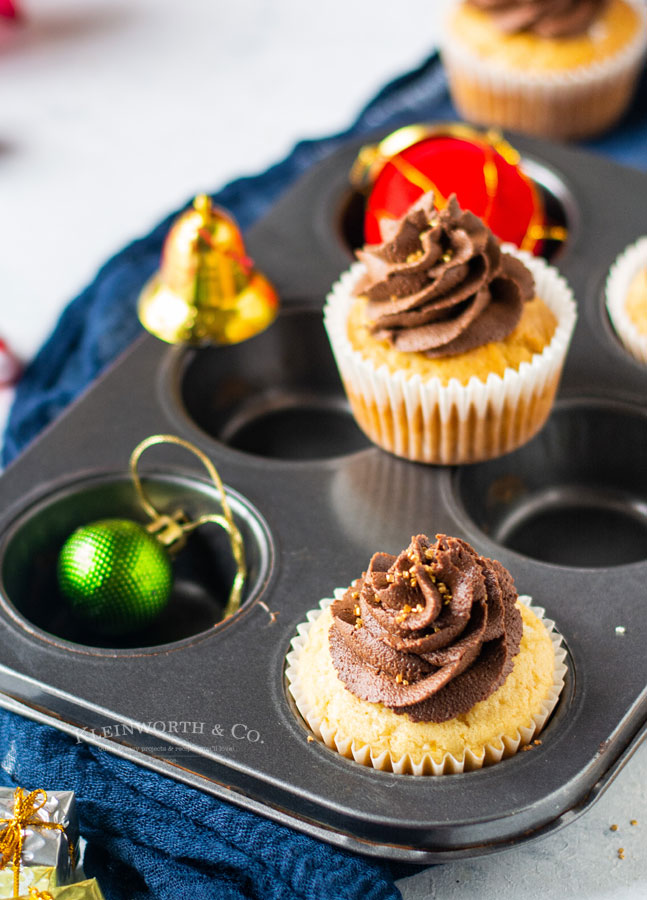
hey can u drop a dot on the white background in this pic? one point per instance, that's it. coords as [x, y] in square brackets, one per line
[112, 113]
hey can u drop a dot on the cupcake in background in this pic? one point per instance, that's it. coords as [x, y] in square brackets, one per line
[626, 298]
[449, 348]
[428, 664]
[566, 69]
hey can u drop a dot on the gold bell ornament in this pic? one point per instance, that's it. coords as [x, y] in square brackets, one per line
[207, 289]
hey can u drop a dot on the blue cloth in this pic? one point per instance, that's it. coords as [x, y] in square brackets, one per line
[148, 836]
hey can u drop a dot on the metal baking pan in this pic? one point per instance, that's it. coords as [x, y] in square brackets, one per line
[567, 514]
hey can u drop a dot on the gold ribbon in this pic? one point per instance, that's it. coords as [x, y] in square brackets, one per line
[35, 894]
[12, 838]
[170, 530]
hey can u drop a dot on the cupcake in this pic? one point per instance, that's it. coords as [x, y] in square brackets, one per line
[626, 298]
[565, 69]
[449, 348]
[429, 663]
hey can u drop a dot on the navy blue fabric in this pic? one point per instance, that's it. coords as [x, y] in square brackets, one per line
[148, 836]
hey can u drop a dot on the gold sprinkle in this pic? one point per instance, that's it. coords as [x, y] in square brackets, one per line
[634, 822]
[429, 553]
[537, 742]
[357, 611]
[355, 595]
[358, 623]
[621, 852]
[406, 608]
[399, 679]
[413, 582]
[415, 256]
[404, 681]
[447, 255]
[389, 578]
[311, 740]
[419, 607]
[613, 827]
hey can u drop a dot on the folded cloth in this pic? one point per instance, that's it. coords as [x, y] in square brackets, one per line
[148, 836]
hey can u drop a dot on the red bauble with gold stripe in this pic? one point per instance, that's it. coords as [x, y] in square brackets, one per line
[482, 169]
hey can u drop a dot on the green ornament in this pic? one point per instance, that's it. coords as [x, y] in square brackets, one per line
[115, 575]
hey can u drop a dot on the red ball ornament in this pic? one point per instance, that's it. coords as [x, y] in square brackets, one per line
[482, 169]
[10, 366]
[8, 9]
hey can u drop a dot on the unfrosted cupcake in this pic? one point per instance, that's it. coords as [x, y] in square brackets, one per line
[450, 349]
[560, 69]
[626, 298]
[427, 664]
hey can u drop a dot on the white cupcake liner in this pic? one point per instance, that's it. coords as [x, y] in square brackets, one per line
[559, 104]
[347, 746]
[425, 421]
[620, 276]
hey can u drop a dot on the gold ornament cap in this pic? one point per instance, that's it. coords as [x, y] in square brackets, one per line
[207, 289]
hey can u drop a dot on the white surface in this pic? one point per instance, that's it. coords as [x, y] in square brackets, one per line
[580, 862]
[112, 113]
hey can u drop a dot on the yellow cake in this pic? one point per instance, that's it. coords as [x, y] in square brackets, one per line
[626, 298]
[568, 86]
[636, 303]
[533, 333]
[374, 734]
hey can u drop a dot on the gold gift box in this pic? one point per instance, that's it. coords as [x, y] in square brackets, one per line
[82, 890]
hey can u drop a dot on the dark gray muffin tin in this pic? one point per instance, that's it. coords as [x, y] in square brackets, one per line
[567, 514]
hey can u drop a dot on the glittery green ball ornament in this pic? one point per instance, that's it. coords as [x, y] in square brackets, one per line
[115, 575]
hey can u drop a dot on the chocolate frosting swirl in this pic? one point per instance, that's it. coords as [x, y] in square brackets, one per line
[439, 284]
[545, 18]
[430, 632]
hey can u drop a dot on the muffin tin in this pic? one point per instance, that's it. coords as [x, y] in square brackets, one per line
[207, 705]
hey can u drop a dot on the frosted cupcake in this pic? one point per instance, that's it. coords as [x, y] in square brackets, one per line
[564, 69]
[450, 349]
[626, 297]
[428, 664]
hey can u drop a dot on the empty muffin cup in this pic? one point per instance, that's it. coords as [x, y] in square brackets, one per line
[277, 395]
[574, 496]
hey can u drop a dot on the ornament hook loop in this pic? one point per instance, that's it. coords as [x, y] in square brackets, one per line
[171, 530]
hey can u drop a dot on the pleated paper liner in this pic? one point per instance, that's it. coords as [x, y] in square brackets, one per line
[505, 745]
[453, 424]
[621, 274]
[577, 103]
